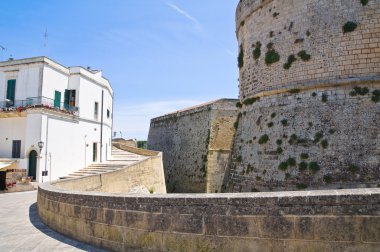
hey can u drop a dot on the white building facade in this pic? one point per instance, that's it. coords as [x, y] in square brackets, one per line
[67, 109]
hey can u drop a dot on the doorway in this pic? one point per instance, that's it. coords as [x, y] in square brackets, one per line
[94, 152]
[32, 164]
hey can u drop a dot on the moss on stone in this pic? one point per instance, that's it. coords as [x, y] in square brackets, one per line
[304, 56]
[263, 139]
[349, 27]
[257, 50]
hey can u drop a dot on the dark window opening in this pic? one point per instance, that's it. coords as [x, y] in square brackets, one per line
[16, 149]
[96, 110]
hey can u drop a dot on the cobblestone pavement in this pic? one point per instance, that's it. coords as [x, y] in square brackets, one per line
[22, 230]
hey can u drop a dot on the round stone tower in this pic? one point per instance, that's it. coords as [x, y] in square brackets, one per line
[310, 95]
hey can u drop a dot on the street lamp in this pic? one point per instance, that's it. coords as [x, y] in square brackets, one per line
[40, 145]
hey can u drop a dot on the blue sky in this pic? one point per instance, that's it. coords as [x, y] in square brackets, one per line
[160, 56]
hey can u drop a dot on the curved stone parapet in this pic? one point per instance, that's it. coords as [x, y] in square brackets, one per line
[288, 27]
[336, 220]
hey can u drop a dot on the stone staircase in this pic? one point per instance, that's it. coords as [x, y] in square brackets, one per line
[119, 160]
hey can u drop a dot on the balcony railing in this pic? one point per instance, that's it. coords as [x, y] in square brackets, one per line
[37, 102]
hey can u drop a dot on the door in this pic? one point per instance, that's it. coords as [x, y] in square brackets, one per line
[57, 99]
[94, 152]
[32, 164]
[11, 88]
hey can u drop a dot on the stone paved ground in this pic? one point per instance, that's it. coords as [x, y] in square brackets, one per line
[22, 230]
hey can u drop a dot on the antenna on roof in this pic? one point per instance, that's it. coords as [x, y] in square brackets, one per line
[2, 48]
[46, 35]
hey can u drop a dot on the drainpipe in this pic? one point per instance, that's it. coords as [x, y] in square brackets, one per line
[101, 128]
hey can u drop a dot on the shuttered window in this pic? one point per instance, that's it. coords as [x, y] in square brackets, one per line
[11, 88]
[16, 149]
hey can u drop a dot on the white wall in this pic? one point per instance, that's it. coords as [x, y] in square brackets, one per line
[11, 129]
[54, 80]
[28, 80]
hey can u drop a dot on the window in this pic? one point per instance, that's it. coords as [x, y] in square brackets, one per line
[69, 101]
[57, 99]
[108, 113]
[96, 110]
[11, 88]
[16, 148]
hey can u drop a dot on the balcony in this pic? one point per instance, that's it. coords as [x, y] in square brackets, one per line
[37, 102]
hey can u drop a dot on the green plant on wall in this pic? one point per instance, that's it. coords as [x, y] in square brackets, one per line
[283, 166]
[324, 144]
[257, 50]
[302, 166]
[291, 60]
[241, 57]
[271, 57]
[376, 96]
[294, 91]
[359, 91]
[324, 98]
[314, 167]
[349, 27]
[318, 136]
[291, 161]
[250, 101]
[364, 2]
[304, 56]
[263, 139]
[279, 150]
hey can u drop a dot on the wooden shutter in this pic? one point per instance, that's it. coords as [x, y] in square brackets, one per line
[16, 149]
[11, 88]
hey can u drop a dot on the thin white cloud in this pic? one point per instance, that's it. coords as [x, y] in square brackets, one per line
[134, 120]
[185, 14]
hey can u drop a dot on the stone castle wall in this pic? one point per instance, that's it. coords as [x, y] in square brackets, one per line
[196, 145]
[340, 135]
[314, 26]
[316, 124]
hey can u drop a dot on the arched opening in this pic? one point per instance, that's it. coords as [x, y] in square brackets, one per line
[32, 164]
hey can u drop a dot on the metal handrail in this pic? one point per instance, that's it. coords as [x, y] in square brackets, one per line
[40, 101]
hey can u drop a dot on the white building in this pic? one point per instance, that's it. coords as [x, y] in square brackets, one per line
[69, 109]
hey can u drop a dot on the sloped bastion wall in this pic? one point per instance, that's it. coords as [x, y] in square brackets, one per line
[196, 145]
[335, 220]
[310, 95]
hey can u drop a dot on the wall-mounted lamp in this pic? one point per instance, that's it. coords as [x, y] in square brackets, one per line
[41, 145]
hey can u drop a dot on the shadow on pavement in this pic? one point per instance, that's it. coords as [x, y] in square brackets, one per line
[37, 223]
